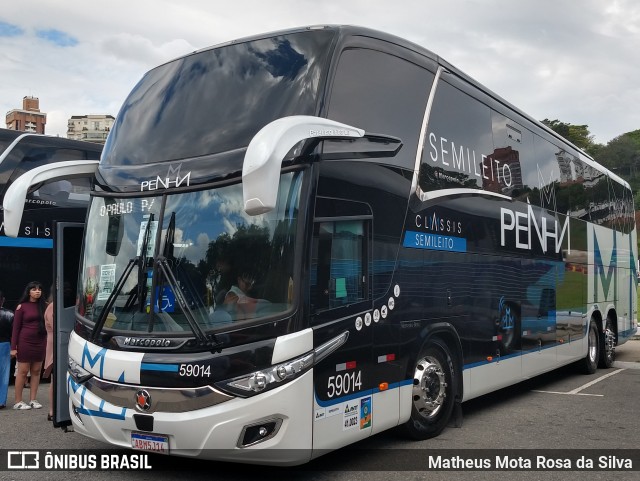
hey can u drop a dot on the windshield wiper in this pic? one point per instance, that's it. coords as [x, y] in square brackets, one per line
[140, 261]
[142, 265]
[202, 338]
[166, 274]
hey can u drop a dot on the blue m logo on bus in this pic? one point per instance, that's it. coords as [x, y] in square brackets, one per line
[99, 357]
[604, 278]
[507, 320]
[92, 360]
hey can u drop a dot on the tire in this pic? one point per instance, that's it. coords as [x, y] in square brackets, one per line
[433, 394]
[607, 345]
[590, 362]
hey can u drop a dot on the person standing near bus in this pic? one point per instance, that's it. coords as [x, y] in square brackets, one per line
[6, 321]
[28, 343]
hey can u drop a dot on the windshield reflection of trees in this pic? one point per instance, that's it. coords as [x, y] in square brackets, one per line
[242, 276]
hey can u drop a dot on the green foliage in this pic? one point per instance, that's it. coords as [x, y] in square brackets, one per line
[622, 154]
[578, 135]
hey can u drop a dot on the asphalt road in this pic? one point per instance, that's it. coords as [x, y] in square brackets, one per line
[550, 414]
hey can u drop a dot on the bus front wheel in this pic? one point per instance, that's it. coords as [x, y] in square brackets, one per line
[432, 392]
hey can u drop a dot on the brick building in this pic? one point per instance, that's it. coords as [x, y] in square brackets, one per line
[29, 118]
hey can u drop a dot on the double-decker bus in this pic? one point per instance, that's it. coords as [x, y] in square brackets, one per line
[29, 255]
[300, 239]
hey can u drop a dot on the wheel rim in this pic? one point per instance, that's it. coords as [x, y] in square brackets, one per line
[593, 345]
[429, 387]
[609, 344]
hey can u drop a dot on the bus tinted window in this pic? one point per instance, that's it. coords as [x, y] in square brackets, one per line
[598, 194]
[6, 137]
[62, 193]
[361, 96]
[513, 147]
[458, 143]
[217, 99]
[543, 175]
[339, 263]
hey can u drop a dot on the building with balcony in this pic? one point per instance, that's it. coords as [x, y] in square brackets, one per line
[29, 118]
[92, 128]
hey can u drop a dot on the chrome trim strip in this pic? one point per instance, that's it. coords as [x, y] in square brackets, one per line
[170, 400]
[436, 194]
[329, 347]
[423, 130]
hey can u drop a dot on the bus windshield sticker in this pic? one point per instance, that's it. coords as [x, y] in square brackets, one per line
[107, 281]
[151, 242]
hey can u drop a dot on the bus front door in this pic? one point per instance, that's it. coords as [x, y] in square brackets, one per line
[67, 243]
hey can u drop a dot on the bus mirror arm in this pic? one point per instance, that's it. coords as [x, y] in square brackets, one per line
[266, 151]
[14, 198]
[370, 146]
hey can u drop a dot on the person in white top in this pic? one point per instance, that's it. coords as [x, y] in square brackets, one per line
[238, 301]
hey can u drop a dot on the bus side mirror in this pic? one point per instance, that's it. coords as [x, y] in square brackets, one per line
[266, 151]
[16, 194]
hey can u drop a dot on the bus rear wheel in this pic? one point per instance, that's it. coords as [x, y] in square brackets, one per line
[590, 361]
[432, 393]
[607, 345]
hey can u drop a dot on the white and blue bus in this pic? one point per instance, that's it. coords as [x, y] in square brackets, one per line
[303, 238]
[29, 255]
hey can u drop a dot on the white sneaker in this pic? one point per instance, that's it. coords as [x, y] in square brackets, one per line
[35, 404]
[21, 406]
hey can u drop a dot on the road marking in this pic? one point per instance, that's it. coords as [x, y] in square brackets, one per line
[576, 391]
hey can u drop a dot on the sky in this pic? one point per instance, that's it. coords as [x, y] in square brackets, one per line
[577, 61]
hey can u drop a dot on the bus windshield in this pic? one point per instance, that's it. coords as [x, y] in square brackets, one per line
[216, 100]
[195, 257]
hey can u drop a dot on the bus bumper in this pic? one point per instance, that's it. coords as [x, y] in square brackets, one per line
[214, 432]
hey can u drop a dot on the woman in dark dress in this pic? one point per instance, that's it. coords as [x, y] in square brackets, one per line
[28, 342]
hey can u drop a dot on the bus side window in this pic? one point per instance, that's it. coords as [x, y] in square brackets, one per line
[339, 264]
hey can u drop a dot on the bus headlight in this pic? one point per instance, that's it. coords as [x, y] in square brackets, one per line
[259, 381]
[274, 376]
[77, 372]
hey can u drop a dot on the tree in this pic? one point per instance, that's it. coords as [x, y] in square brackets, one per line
[621, 155]
[578, 135]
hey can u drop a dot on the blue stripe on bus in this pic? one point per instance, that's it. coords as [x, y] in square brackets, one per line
[29, 242]
[360, 394]
[355, 395]
[436, 242]
[147, 366]
[395, 385]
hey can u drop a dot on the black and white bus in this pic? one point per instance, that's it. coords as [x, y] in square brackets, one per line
[303, 238]
[28, 255]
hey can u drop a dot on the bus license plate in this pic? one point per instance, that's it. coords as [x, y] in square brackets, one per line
[157, 443]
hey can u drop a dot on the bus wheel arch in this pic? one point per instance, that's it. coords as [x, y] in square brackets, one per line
[437, 387]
